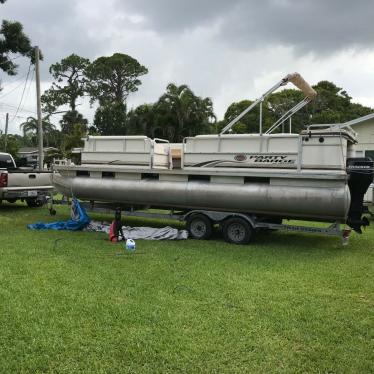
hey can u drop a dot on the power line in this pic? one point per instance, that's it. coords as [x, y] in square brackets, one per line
[28, 89]
[20, 79]
[23, 93]
[23, 109]
[18, 116]
[17, 78]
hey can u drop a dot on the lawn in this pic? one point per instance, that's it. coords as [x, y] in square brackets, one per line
[289, 302]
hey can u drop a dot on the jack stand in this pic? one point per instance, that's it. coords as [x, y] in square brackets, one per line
[50, 206]
[117, 224]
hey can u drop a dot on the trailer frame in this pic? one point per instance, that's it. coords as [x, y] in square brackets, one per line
[253, 223]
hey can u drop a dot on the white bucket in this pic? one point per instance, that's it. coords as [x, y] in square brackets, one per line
[130, 245]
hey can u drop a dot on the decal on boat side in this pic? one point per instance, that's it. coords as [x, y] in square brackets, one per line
[240, 157]
[284, 159]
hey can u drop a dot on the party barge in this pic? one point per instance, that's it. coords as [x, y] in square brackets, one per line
[243, 182]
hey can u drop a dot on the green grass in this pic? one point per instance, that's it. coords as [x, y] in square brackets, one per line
[75, 303]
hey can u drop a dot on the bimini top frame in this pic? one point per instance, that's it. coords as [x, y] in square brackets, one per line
[294, 78]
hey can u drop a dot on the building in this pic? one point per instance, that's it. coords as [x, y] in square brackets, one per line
[30, 155]
[364, 126]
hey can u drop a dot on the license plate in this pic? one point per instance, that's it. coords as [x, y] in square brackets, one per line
[32, 193]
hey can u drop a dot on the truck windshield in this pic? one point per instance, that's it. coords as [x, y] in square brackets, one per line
[6, 162]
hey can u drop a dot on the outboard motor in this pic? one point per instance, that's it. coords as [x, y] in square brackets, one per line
[360, 172]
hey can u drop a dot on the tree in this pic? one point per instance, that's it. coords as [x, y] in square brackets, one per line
[279, 103]
[70, 82]
[144, 120]
[70, 119]
[110, 119]
[13, 41]
[112, 79]
[249, 123]
[74, 139]
[183, 113]
[13, 143]
[30, 127]
[332, 105]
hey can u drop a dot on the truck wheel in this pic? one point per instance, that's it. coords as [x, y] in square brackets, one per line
[237, 230]
[11, 201]
[33, 202]
[199, 226]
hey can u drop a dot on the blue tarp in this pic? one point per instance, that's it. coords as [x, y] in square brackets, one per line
[79, 220]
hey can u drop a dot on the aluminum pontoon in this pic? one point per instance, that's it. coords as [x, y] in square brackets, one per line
[230, 178]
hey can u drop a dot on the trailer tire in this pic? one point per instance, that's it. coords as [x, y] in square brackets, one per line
[199, 226]
[237, 230]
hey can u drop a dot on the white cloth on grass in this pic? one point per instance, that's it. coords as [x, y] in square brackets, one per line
[148, 233]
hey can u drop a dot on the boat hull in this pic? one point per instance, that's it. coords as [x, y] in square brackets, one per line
[298, 198]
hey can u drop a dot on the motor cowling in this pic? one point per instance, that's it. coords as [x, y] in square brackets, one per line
[360, 173]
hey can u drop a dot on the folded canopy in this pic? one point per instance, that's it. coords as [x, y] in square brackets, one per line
[302, 85]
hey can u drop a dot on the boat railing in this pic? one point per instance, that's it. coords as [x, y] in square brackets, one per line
[294, 78]
[336, 127]
[159, 140]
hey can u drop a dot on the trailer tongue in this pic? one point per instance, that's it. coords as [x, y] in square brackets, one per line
[242, 181]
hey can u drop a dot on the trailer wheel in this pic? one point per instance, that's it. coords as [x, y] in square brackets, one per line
[199, 226]
[237, 230]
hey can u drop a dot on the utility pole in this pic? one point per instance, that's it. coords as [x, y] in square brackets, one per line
[39, 110]
[6, 131]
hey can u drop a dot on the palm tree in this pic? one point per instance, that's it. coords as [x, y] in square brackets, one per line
[30, 128]
[185, 112]
[143, 120]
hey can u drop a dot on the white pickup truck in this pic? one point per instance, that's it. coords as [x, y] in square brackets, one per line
[23, 183]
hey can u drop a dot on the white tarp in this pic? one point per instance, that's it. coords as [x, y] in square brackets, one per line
[147, 233]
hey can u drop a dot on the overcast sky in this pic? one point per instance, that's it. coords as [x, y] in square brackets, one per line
[228, 50]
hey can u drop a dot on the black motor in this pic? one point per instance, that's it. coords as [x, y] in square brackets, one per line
[360, 171]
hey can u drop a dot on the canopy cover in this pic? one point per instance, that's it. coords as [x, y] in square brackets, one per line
[302, 85]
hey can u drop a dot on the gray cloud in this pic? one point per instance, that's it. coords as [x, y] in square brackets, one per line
[225, 49]
[56, 26]
[176, 16]
[316, 26]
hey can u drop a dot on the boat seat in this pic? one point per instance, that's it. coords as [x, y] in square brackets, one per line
[126, 150]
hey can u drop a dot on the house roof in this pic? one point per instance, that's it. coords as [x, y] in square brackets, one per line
[359, 120]
[31, 150]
